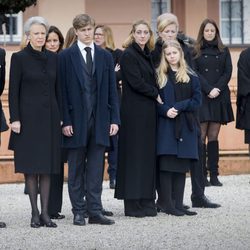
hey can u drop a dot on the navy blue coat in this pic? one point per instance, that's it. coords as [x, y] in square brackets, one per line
[167, 144]
[74, 101]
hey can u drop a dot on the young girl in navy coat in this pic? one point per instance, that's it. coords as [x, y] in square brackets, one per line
[177, 141]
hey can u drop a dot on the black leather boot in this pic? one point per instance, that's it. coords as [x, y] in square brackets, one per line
[213, 160]
[215, 181]
[204, 165]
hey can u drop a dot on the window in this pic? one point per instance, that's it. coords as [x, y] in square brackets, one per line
[234, 21]
[159, 7]
[11, 29]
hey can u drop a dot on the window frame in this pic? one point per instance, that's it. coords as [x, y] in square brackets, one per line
[244, 38]
[15, 38]
[162, 7]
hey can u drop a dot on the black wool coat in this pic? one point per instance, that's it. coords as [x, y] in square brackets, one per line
[34, 97]
[116, 54]
[243, 93]
[137, 135]
[214, 69]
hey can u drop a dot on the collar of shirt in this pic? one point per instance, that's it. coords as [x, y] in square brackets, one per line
[82, 47]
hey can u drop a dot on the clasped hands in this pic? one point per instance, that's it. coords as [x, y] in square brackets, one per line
[214, 93]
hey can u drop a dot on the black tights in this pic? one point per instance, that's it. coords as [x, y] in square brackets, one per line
[209, 130]
[32, 181]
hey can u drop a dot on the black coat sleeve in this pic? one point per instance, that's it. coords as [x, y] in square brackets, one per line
[2, 70]
[243, 92]
[14, 87]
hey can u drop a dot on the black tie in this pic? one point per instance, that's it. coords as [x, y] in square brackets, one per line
[89, 59]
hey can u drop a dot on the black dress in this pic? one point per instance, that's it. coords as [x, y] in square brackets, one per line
[34, 95]
[214, 68]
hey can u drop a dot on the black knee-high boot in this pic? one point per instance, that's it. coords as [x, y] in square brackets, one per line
[212, 161]
[166, 185]
[204, 164]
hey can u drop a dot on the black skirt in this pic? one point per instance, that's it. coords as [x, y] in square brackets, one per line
[216, 110]
[173, 164]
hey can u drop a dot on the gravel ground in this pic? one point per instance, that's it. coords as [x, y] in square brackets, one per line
[227, 227]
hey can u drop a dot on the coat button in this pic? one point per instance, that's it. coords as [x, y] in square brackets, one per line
[205, 56]
[217, 70]
[217, 57]
[206, 70]
[180, 139]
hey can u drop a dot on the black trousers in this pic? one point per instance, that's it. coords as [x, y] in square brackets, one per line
[56, 187]
[56, 192]
[197, 176]
[86, 165]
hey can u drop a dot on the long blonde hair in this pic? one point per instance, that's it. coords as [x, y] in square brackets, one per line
[183, 70]
[150, 44]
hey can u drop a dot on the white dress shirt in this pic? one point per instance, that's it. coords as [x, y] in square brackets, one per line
[82, 47]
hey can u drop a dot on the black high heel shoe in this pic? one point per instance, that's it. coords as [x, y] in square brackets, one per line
[34, 223]
[44, 223]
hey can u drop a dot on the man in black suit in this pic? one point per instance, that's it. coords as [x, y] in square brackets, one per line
[2, 82]
[90, 116]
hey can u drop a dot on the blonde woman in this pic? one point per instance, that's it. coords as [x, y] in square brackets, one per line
[177, 135]
[137, 138]
[168, 30]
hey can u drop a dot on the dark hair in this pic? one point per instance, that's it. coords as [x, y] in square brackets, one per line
[200, 38]
[60, 36]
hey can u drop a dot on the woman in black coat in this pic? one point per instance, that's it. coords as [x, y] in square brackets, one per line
[54, 43]
[243, 94]
[213, 64]
[137, 138]
[178, 128]
[167, 28]
[34, 96]
[2, 83]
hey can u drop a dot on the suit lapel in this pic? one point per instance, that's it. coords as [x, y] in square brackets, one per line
[98, 64]
[78, 63]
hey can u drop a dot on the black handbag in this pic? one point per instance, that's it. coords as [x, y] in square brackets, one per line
[3, 124]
